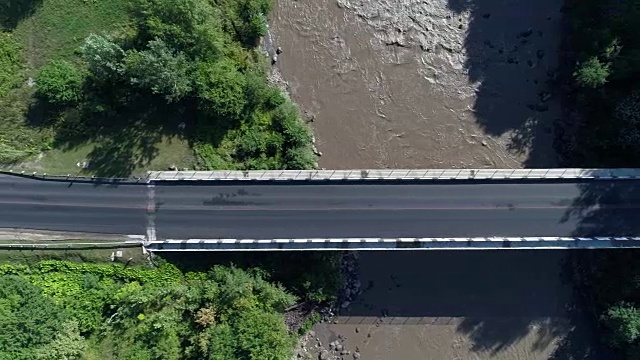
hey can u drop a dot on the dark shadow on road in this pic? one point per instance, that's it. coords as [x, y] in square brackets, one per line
[606, 209]
[511, 49]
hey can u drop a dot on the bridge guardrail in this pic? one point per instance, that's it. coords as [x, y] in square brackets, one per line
[396, 174]
[72, 177]
[393, 243]
[360, 175]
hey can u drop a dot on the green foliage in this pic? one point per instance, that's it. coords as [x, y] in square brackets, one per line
[29, 319]
[623, 320]
[312, 320]
[160, 70]
[60, 83]
[10, 63]
[247, 19]
[140, 313]
[300, 158]
[185, 25]
[288, 121]
[261, 335]
[220, 88]
[104, 57]
[68, 344]
[592, 74]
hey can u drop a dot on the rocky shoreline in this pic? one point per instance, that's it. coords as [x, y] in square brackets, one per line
[310, 346]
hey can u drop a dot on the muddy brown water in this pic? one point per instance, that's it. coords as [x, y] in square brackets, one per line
[437, 84]
[423, 84]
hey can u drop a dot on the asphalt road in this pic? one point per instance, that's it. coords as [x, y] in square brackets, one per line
[602, 208]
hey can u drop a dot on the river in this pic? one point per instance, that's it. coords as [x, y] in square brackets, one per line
[437, 84]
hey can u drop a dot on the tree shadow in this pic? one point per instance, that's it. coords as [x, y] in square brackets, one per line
[606, 208]
[124, 130]
[14, 11]
[510, 49]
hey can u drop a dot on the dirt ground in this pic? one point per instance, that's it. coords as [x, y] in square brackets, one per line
[424, 84]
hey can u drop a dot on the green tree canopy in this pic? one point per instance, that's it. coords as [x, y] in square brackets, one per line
[29, 319]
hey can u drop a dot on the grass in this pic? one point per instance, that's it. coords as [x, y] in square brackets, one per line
[58, 27]
[173, 151]
[30, 140]
[29, 257]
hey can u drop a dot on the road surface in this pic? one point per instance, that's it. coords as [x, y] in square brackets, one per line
[266, 211]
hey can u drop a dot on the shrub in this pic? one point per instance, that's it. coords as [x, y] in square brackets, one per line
[299, 158]
[592, 73]
[60, 83]
[288, 121]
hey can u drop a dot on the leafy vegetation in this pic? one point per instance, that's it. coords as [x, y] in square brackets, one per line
[61, 310]
[168, 69]
[60, 83]
[10, 63]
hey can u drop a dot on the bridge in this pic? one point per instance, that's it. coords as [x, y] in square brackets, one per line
[336, 210]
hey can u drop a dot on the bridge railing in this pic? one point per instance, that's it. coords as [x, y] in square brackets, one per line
[317, 244]
[71, 177]
[396, 174]
[356, 174]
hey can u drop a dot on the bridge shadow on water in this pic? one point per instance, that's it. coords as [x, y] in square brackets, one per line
[495, 298]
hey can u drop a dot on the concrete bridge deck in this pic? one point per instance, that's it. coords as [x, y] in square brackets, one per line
[301, 215]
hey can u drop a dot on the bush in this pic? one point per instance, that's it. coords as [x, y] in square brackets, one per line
[592, 74]
[299, 158]
[60, 83]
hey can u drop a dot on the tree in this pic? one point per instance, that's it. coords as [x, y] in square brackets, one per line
[67, 345]
[29, 319]
[104, 57]
[160, 70]
[60, 83]
[262, 335]
[220, 88]
[623, 320]
[188, 26]
[592, 73]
